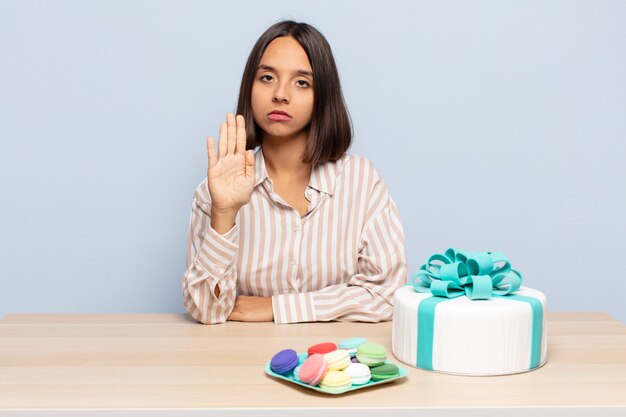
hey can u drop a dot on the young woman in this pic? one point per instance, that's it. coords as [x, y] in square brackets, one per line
[299, 230]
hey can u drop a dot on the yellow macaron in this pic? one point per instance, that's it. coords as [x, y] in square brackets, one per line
[336, 381]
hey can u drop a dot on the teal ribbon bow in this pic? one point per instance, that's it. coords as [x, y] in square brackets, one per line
[478, 275]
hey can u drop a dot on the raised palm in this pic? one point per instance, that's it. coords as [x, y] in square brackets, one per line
[231, 174]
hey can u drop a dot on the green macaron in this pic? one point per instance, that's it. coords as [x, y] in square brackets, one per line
[386, 371]
[371, 354]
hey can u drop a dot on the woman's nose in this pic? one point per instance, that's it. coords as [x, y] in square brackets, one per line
[280, 94]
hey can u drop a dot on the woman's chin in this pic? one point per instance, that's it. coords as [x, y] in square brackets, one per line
[281, 132]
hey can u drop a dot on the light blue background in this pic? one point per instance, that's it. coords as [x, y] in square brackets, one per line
[497, 126]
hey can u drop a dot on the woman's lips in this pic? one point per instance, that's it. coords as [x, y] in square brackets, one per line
[277, 117]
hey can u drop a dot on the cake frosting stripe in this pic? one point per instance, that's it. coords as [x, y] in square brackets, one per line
[426, 331]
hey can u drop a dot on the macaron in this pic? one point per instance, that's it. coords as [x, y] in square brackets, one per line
[313, 369]
[302, 357]
[284, 361]
[386, 371]
[359, 374]
[371, 354]
[296, 372]
[337, 360]
[322, 348]
[336, 382]
[351, 344]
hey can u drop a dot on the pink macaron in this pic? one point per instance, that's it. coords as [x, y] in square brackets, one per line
[313, 369]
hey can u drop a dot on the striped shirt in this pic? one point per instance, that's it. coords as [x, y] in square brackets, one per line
[343, 260]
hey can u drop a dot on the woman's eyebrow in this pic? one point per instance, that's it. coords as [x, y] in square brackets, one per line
[300, 71]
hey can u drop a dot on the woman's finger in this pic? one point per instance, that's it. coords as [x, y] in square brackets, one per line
[211, 152]
[241, 135]
[232, 133]
[222, 146]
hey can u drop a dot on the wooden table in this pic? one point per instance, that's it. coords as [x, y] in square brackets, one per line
[167, 364]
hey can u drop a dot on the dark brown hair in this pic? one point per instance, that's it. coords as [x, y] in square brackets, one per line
[330, 130]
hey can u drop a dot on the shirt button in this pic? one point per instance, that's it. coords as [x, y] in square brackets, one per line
[292, 261]
[296, 228]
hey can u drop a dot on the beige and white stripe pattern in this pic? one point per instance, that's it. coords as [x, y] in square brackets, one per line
[343, 260]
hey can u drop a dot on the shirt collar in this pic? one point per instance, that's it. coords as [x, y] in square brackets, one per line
[323, 176]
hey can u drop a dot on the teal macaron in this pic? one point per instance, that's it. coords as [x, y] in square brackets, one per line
[352, 344]
[386, 371]
[296, 373]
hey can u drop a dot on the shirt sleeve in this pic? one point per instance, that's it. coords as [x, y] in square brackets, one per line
[368, 295]
[210, 263]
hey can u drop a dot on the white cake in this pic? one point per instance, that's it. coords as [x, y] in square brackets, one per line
[470, 337]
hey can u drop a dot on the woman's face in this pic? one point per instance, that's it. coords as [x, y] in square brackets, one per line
[283, 81]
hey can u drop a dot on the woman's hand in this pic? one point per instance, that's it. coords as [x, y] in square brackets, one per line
[252, 309]
[231, 174]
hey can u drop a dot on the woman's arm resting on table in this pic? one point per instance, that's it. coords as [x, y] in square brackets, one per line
[249, 308]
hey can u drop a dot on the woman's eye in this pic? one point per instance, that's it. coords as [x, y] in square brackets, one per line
[266, 75]
[306, 84]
